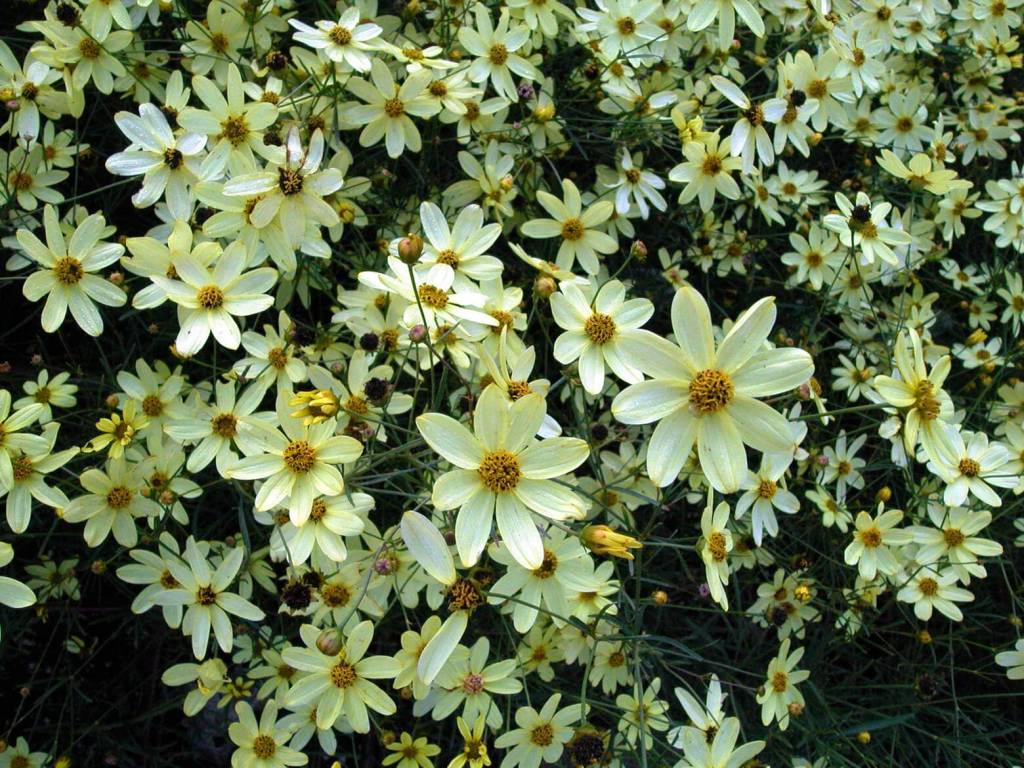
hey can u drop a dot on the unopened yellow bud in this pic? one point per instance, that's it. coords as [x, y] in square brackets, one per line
[410, 248]
[604, 540]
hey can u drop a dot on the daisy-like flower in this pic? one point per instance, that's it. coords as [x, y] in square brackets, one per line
[233, 127]
[19, 755]
[634, 186]
[779, 694]
[49, 393]
[340, 683]
[117, 431]
[469, 681]
[566, 569]
[407, 752]
[600, 336]
[495, 51]
[502, 472]
[291, 191]
[931, 590]
[972, 467]
[749, 138]
[430, 295]
[168, 164]
[330, 521]
[579, 229]
[714, 546]
[345, 41]
[389, 108]
[919, 173]
[954, 538]
[271, 357]
[297, 465]
[474, 747]
[642, 714]
[204, 591]
[541, 735]
[28, 477]
[707, 171]
[709, 397]
[114, 502]
[864, 226]
[209, 298]
[919, 390]
[262, 744]
[763, 495]
[873, 540]
[464, 246]
[66, 272]
[706, 717]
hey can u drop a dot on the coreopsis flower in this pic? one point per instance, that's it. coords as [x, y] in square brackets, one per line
[579, 229]
[707, 170]
[779, 697]
[749, 139]
[114, 502]
[462, 247]
[28, 478]
[49, 393]
[340, 683]
[19, 755]
[345, 41]
[604, 332]
[66, 275]
[389, 108]
[707, 396]
[502, 472]
[290, 191]
[633, 185]
[495, 51]
[919, 390]
[643, 713]
[272, 358]
[13, 444]
[407, 752]
[469, 682]
[763, 496]
[298, 465]
[873, 541]
[204, 592]
[117, 431]
[330, 520]
[1013, 661]
[972, 467]
[565, 569]
[541, 735]
[168, 164]
[474, 746]
[864, 227]
[210, 297]
[234, 128]
[706, 717]
[150, 569]
[714, 546]
[717, 749]
[930, 590]
[783, 603]
[954, 539]
[920, 174]
[263, 743]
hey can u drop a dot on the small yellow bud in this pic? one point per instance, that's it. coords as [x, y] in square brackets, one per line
[660, 596]
[410, 248]
[604, 540]
[864, 737]
[884, 494]
[924, 637]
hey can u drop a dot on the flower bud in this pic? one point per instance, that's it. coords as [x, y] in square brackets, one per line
[604, 540]
[660, 596]
[638, 250]
[410, 248]
[418, 334]
[330, 642]
[545, 286]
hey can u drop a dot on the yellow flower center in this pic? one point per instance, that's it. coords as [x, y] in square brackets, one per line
[264, 746]
[548, 566]
[22, 468]
[716, 546]
[599, 328]
[500, 471]
[335, 595]
[89, 48]
[289, 182]
[498, 54]
[449, 257]
[235, 129]
[871, 537]
[969, 467]
[572, 229]
[342, 675]
[616, 659]
[224, 425]
[152, 406]
[394, 108]
[206, 596]
[953, 537]
[119, 497]
[277, 357]
[299, 456]
[173, 158]
[516, 389]
[472, 684]
[433, 296]
[68, 270]
[710, 391]
[766, 489]
[929, 587]
[463, 595]
[712, 165]
[542, 735]
[339, 35]
[780, 681]
[626, 26]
